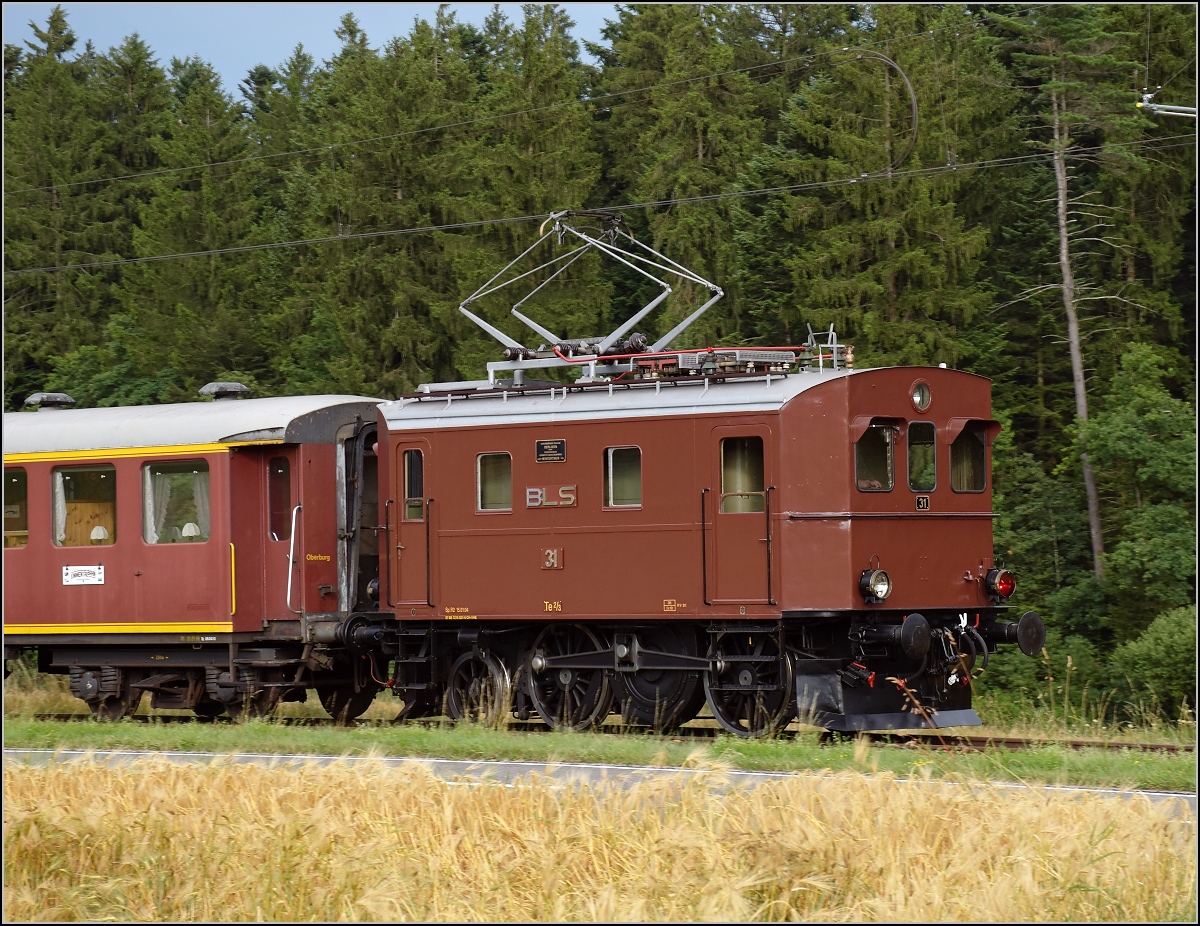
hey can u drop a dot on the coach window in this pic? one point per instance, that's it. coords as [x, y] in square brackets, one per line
[968, 460]
[175, 502]
[414, 486]
[16, 508]
[85, 505]
[742, 481]
[873, 459]
[279, 498]
[922, 458]
[623, 477]
[494, 481]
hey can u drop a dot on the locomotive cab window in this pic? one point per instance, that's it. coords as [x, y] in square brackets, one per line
[175, 502]
[873, 459]
[623, 477]
[742, 480]
[16, 507]
[922, 456]
[414, 486]
[493, 479]
[968, 459]
[279, 498]
[84, 499]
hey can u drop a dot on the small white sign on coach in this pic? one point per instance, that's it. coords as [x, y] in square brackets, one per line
[83, 575]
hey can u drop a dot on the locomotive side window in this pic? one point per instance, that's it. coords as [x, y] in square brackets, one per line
[279, 498]
[968, 460]
[922, 456]
[85, 505]
[16, 507]
[175, 502]
[873, 459]
[622, 477]
[742, 480]
[414, 486]
[494, 481]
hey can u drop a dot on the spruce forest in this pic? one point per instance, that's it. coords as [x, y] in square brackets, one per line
[314, 229]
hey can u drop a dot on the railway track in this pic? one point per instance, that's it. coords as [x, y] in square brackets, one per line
[931, 740]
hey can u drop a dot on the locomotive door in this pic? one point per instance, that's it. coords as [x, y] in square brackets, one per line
[409, 555]
[740, 515]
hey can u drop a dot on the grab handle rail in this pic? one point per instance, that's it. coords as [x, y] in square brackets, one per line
[292, 561]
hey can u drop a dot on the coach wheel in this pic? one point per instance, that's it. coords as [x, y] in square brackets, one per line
[261, 703]
[343, 703]
[749, 693]
[662, 699]
[567, 698]
[478, 689]
[208, 709]
[114, 707]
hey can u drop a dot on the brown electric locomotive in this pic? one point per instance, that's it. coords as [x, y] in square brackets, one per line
[765, 533]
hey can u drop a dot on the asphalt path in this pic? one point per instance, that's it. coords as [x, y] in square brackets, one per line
[506, 772]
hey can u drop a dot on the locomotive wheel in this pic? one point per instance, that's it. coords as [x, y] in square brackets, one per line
[568, 699]
[343, 703]
[662, 699]
[418, 704]
[478, 689]
[733, 693]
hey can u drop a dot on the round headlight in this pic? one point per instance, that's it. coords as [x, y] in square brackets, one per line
[875, 585]
[1001, 583]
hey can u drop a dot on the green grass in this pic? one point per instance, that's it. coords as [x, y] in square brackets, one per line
[1051, 764]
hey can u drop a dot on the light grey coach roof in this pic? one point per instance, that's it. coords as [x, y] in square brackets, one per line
[690, 396]
[293, 419]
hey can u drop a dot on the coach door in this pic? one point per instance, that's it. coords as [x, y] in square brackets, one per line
[410, 517]
[739, 515]
[283, 534]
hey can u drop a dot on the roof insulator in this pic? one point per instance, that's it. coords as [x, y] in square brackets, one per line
[224, 390]
[41, 400]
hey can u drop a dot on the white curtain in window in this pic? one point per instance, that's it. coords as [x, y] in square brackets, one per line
[60, 510]
[200, 487]
[156, 494]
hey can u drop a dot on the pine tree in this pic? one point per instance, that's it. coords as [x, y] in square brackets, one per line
[54, 144]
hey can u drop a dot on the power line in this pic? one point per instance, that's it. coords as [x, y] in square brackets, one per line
[494, 118]
[1148, 144]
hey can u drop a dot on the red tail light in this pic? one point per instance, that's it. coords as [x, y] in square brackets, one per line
[1001, 583]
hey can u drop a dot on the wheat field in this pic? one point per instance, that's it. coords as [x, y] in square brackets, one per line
[225, 843]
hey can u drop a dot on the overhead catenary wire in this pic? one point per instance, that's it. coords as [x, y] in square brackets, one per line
[993, 163]
[320, 149]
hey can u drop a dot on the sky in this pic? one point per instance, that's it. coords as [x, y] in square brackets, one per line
[234, 37]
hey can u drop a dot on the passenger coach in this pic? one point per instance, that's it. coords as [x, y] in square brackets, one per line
[175, 548]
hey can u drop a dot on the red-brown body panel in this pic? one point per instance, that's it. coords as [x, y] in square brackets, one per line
[663, 559]
[185, 583]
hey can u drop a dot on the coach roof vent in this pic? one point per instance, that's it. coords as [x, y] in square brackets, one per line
[40, 400]
[224, 390]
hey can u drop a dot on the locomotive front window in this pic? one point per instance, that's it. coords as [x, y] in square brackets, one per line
[623, 477]
[494, 481]
[16, 507]
[175, 502]
[742, 481]
[968, 460]
[922, 456]
[414, 486]
[873, 459]
[84, 499]
[279, 498]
